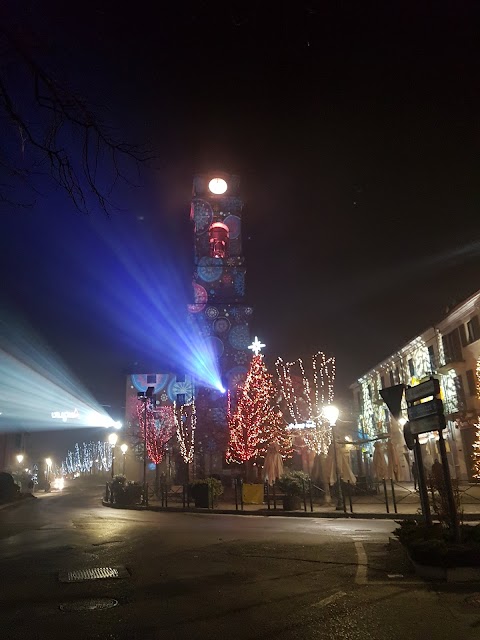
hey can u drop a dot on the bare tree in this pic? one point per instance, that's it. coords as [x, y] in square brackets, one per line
[48, 130]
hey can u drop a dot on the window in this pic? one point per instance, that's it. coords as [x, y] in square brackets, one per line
[370, 392]
[460, 393]
[411, 368]
[392, 379]
[151, 378]
[452, 346]
[397, 375]
[180, 398]
[181, 377]
[472, 330]
[359, 401]
[472, 387]
[431, 357]
[382, 382]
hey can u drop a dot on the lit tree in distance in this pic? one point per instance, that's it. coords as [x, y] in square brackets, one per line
[185, 417]
[255, 422]
[476, 453]
[160, 428]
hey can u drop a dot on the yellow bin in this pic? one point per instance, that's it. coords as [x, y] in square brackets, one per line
[252, 493]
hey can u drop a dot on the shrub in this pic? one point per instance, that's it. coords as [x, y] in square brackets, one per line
[215, 486]
[293, 482]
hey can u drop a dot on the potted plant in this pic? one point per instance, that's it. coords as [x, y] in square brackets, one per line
[205, 490]
[292, 485]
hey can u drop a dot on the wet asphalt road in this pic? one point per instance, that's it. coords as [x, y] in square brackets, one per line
[214, 576]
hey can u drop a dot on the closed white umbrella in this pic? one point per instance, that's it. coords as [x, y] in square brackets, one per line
[380, 469]
[273, 465]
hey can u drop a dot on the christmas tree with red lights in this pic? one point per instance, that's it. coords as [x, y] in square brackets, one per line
[256, 421]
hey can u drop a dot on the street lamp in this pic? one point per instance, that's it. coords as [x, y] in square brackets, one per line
[112, 439]
[124, 449]
[20, 458]
[48, 463]
[331, 414]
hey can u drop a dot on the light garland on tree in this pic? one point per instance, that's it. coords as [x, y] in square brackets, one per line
[476, 453]
[478, 378]
[255, 422]
[88, 457]
[185, 425]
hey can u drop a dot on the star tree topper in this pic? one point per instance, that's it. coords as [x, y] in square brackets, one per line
[256, 346]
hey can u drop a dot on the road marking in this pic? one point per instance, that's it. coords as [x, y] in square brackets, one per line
[330, 599]
[362, 564]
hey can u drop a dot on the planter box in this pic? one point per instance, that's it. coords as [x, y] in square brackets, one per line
[446, 574]
[201, 495]
[291, 503]
[252, 493]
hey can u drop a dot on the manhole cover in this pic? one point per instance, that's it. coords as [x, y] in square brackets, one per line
[89, 605]
[96, 573]
[473, 600]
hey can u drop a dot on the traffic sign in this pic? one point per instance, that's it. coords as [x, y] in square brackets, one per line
[392, 396]
[423, 409]
[429, 388]
[430, 423]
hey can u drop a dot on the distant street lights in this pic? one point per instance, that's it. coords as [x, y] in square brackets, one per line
[48, 468]
[124, 449]
[112, 439]
[331, 414]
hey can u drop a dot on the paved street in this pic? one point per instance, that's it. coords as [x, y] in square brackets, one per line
[214, 576]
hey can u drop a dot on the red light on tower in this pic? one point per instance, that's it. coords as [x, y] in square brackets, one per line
[218, 233]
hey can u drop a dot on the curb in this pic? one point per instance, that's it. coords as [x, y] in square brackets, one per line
[271, 513]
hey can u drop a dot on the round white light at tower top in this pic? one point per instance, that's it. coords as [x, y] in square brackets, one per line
[112, 438]
[124, 448]
[217, 186]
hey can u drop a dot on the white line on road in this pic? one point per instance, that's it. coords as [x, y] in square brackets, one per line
[362, 564]
[330, 599]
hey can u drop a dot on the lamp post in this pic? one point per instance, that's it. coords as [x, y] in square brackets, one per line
[112, 439]
[124, 449]
[331, 414]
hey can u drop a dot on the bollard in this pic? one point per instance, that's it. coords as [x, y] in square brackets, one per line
[393, 496]
[310, 494]
[304, 496]
[344, 503]
[274, 498]
[386, 496]
[241, 493]
[166, 495]
[268, 495]
[146, 495]
[350, 496]
[183, 495]
[235, 483]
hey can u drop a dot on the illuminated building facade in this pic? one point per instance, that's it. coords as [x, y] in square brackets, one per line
[450, 351]
[218, 311]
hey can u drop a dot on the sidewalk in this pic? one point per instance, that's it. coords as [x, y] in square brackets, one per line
[407, 505]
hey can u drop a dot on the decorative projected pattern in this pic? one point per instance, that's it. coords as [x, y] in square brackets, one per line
[234, 225]
[202, 215]
[185, 388]
[140, 381]
[239, 282]
[239, 337]
[210, 269]
[216, 345]
[200, 297]
[222, 325]
[211, 313]
[235, 376]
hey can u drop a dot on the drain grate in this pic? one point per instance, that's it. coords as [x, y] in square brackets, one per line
[96, 573]
[89, 605]
[473, 600]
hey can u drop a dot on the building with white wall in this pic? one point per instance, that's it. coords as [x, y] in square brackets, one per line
[450, 351]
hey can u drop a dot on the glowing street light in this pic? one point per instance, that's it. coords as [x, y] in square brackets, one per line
[20, 457]
[124, 449]
[112, 439]
[331, 414]
[48, 463]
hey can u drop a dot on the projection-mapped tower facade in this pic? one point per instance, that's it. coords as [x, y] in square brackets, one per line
[219, 274]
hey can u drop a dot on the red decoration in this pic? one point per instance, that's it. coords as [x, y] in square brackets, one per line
[256, 421]
[160, 428]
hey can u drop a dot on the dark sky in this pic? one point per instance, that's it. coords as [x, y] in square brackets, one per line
[354, 128]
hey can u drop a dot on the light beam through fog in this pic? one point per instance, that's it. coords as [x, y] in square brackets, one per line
[37, 391]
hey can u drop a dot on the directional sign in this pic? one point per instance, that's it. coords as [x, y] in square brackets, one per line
[430, 423]
[429, 388]
[432, 408]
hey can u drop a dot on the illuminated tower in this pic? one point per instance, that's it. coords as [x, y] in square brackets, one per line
[219, 275]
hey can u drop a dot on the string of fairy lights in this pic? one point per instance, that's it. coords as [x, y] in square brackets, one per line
[88, 457]
[185, 416]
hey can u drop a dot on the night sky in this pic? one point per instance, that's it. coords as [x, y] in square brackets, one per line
[353, 126]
